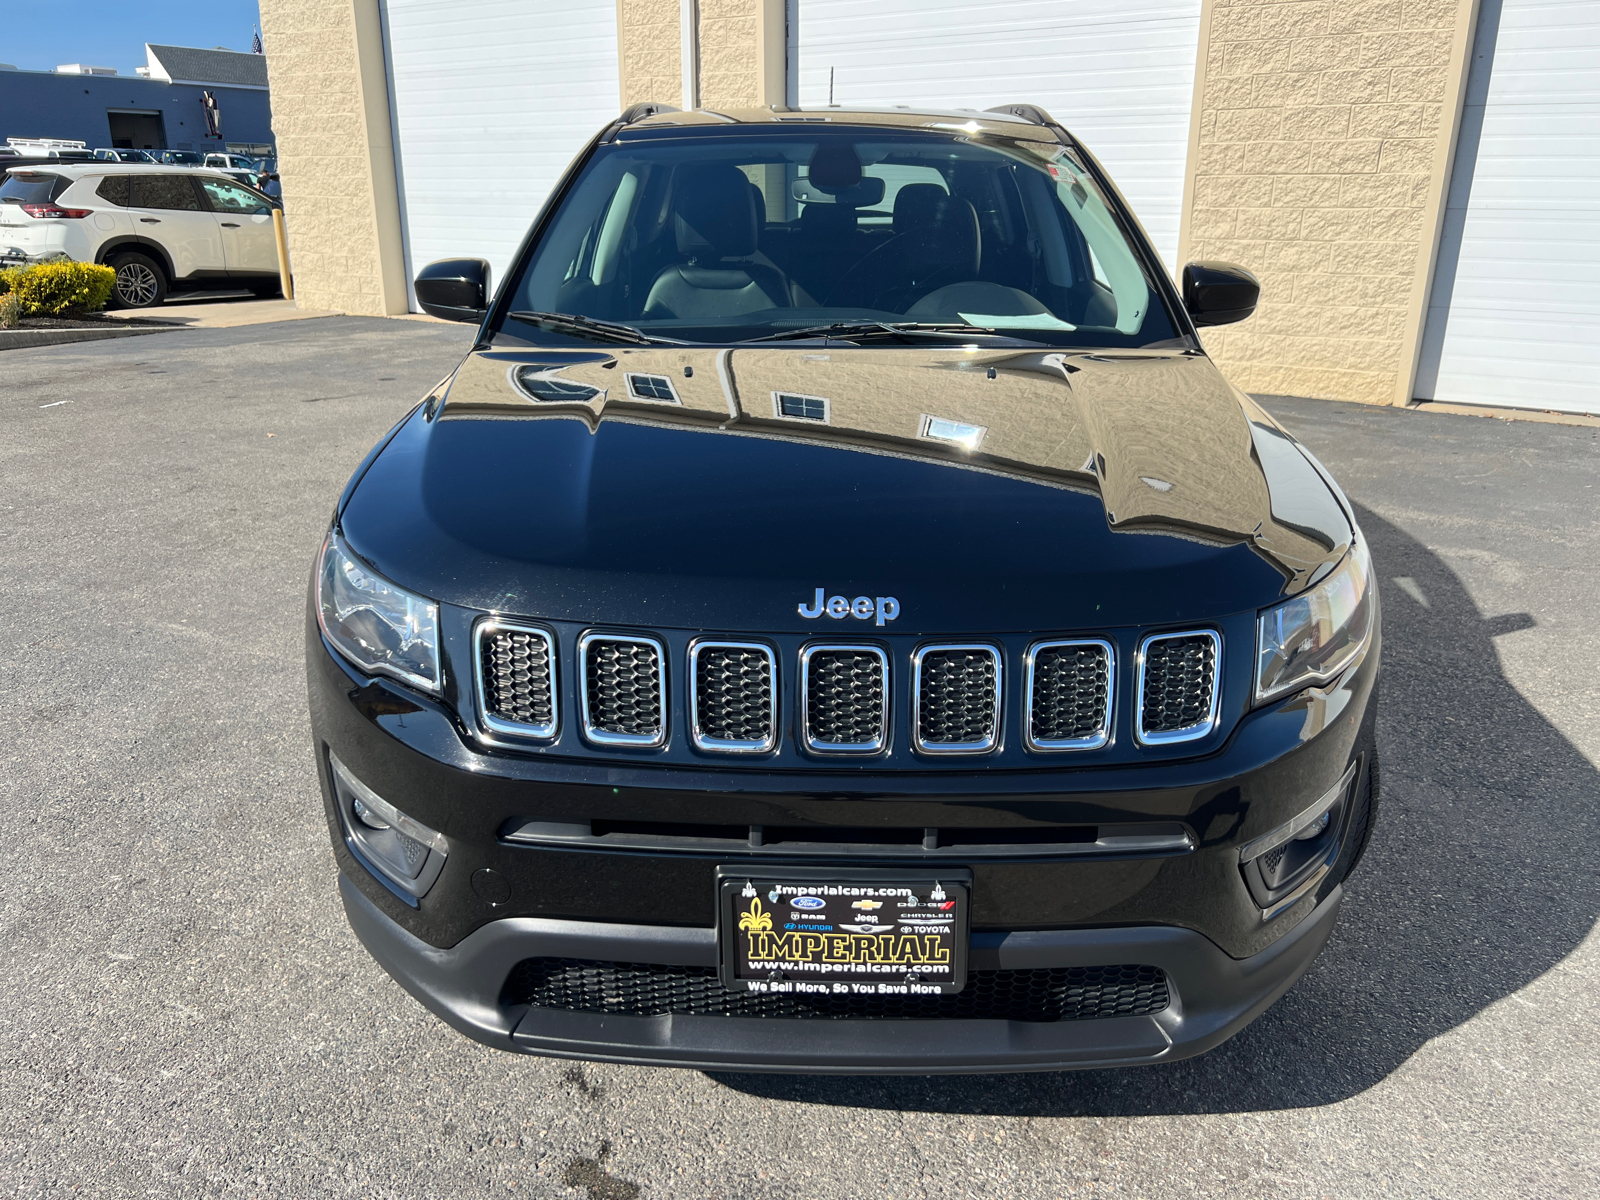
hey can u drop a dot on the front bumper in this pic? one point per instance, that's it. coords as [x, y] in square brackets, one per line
[456, 946]
[1213, 997]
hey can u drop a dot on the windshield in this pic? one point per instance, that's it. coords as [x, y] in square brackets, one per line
[731, 237]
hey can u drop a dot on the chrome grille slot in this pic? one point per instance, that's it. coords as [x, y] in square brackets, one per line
[516, 679]
[845, 699]
[624, 687]
[1178, 686]
[733, 696]
[1069, 692]
[957, 696]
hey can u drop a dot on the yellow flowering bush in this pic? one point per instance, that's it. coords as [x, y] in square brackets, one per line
[54, 289]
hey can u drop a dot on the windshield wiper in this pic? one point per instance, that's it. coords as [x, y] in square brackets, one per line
[852, 330]
[609, 331]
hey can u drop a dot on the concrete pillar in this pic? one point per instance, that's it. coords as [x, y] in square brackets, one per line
[1323, 132]
[330, 94]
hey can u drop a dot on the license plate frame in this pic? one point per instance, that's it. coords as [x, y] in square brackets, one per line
[815, 960]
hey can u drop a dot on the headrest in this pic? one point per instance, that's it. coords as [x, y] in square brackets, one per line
[716, 210]
[941, 233]
[834, 166]
[914, 205]
[829, 219]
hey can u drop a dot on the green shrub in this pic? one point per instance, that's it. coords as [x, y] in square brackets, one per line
[54, 289]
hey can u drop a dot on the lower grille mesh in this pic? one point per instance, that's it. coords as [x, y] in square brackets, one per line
[956, 694]
[845, 698]
[733, 694]
[652, 990]
[1179, 675]
[1071, 688]
[517, 680]
[624, 686]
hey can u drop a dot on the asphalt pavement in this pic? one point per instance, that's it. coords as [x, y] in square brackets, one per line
[183, 1011]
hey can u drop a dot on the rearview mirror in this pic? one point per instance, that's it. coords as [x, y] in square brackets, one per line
[1219, 293]
[454, 289]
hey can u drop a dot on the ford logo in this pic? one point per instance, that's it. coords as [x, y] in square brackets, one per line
[807, 902]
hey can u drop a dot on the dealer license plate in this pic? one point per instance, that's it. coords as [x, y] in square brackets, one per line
[861, 934]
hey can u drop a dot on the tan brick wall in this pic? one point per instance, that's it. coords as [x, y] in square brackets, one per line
[730, 54]
[1323, 138]
[649, 39]
[334, 154]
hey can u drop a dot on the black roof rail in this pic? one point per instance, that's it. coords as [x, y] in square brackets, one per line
[1028, 112]
[645, 108]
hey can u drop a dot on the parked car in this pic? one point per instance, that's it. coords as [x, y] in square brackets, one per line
[162, 228]
[119, 154]
[179, 158]
[838, 584]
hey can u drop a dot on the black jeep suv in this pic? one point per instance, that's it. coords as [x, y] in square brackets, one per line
[837, 618]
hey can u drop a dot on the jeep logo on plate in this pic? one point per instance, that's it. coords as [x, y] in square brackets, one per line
[862, 608]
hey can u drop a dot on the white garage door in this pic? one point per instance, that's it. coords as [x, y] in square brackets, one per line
[1118, 73]
[1514, 318]
[491, 101]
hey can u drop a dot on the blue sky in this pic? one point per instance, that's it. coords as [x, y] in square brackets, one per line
[108, 33]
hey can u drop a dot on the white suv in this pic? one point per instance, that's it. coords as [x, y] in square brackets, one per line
[161, 228]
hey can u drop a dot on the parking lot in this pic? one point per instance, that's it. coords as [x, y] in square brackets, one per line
[185, 1012]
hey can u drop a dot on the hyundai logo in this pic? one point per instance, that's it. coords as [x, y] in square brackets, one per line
[862, 608]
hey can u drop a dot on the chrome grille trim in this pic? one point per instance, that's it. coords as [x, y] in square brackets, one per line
[982, 746]
[875, 746]
[727, 745]
[586, 692]
[1188, 733]
[1102, 736]
[486, 629]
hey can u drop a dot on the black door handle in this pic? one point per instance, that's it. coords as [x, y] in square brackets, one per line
[150, 220]
[230, 224]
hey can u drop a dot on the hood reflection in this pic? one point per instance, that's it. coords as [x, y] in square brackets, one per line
[1163, 441]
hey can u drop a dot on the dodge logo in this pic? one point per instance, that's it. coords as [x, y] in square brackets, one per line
[862, 608]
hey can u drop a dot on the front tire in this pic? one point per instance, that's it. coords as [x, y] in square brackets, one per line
[141, 283]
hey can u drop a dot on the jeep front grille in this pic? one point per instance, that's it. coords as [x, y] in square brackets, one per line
[1069, 690]
[845, 698]
[733, 696]
[957, 695]
[624, 687]
[516, 679]
[1178, 686]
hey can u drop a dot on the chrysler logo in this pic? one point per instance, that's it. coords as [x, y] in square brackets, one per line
[862, 608]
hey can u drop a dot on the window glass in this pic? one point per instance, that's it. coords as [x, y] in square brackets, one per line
[163, 191]
[727, 237]
[17, 188]
[230, 198]
[114, 188]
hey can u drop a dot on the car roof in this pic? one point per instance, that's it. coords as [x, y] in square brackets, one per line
[77, 167]
[1015, 119]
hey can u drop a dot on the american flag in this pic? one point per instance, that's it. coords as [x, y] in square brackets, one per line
[255, 42]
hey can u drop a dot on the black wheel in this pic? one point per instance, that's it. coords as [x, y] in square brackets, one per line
[141, 283]
[266, 288]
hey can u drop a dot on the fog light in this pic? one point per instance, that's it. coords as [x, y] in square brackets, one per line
[401, 851]
[1282, 866]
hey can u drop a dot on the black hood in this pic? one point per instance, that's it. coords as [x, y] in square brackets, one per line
[679, 488]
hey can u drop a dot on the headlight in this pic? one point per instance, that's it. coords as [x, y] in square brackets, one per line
[1315, 636]
[377, 626]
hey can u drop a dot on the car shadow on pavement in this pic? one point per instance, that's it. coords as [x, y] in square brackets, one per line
[1480, 878]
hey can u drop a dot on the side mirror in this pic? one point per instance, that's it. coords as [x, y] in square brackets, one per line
[1219, 293]
[454, 289]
